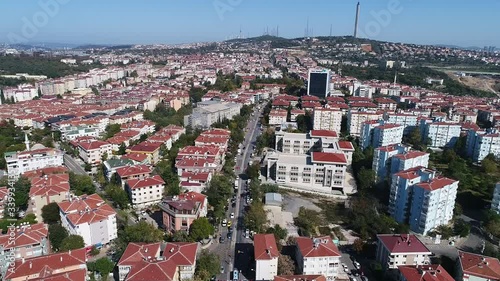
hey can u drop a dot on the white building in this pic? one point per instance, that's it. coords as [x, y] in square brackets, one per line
[210, 112]
[495, 202]
[440, 134]
[277, 117]
[355, 120]
[408, 121]
[318, 256]
[376, 134]
[266, 255]
[394, 250]
[20, 162]
[327, 119]
[91, 151]
[474, 267]
[145, 192]
[90, 217]
[382, 157]
[409, 159]
[486, 144]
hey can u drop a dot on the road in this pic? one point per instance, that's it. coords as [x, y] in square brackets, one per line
[237, 252]
[73, 165]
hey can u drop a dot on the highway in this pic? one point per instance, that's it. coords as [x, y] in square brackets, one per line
[237, 253]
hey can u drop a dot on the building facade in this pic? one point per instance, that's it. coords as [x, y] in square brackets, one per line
[395, 250]
[266, 255]
[327, 119]
[318, 256]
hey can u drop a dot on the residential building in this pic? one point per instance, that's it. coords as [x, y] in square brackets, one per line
[377, 134]
[299, 278]
[481, 145]
[90, 217]
[394, 250]
[320, 171]
[266, 255]
[477, 267]
[277, 117]
[140, 171]
[440, 134]
[145, 192]
[426, 272]
[327, 119]
[174, 262]
[180, 211]
[150, 149]
[409, 159]
[382, 158]
[355, 120]
[23, 242]
[19, 163]
[408, 121]
[495, 202]
[112, 164]
[209, 112]
[92, 151]
[318, 256]
[47, 189]
[422, 198]
[63, 266]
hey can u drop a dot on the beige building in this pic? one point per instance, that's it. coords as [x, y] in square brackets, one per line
[47, 189]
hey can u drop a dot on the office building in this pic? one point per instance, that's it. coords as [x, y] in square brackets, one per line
[318, 83]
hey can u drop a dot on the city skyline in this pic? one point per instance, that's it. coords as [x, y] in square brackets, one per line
[131, 22]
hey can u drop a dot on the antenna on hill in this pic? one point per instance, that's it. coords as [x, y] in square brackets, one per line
[277, 31]
[307, 27]
[331, 30]
[240, 33]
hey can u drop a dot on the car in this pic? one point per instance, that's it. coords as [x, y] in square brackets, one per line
[345, 267]
[221, 269]
[224, 222]
[221, 239]
[356, 264]
[232, 215]
[229, 235]
[364, 278]
[229, 223]
[355, 272]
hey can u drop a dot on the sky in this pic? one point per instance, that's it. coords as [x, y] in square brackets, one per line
[453, 22]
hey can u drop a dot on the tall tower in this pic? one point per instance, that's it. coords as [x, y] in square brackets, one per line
[356, 22]
[27, 142]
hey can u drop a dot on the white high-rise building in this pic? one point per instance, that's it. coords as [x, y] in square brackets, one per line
[355, 120]
[440, 134]
[377, 134]
[327, 119]
[24, 161]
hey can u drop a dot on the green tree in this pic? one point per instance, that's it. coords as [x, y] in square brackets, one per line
[279, 232]
[256, 217]
[200, 229]
[253, 171]
[50, 213]
[112, 130]
[142, 232]
[307, 220]
[81, 184]
[358, 246]
[207, 265]
[57, 234]
[122, 149]
[118, 195]
[180, 236]
[461, 228]
[104, 266]
[489, 166]
[94, 251]
[72, 242]
[21, 192]
[366, 178]
[286, 265]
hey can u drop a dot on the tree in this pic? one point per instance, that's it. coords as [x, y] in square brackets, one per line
[134, 74]
[104, 266]
[72, 242]
[207, 265]
[286, 265]
[279, 232]
[358, 245]
[256, 217]
[122, 149]
[461, 228]
[489, 166]
[180, 236]
[87, 167]
[142, 232]
[50, 213]
[118, 195]
[445, 231]
[307, 221]
[57, 234]
[112, 130]
[81, 184]
[21, 192]
[200, 229]
[253, 171]
[94, 251]
[366, 178]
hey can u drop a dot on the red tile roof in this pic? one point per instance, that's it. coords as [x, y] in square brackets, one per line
[86, 209]
[146, 182]
[299, 278]
[346, 145]
[49, 185]
[145, 147]
[433, 272]
[479, 265]
[138, 157]
[410, 154]
[329, 157]
[323, 133]
[402, 243]
[75, 275]
[317, 247]
[134, 170]
[436, 183]
[90, 144]
[44, 266]
[46, 171]
[22, 236]
[265, 247]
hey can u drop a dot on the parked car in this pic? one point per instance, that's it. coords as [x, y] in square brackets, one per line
[232, 215]
[221, 239]
[356, 264]
[224, 222]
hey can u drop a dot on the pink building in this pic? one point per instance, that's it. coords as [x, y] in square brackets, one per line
[180, 211]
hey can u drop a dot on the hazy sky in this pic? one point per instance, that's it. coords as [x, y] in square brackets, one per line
[456, 22]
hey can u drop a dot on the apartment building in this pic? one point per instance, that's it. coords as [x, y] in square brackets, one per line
[395, 250]
[477, 267]
[327, 119]
[318, 256]
[320, 171]
[180, 211]
[377, 134]
[440, 134]
[19, 163]
[300, 278]
[90, 217]
[423, 272]
[150, 149]
[382, 158]
[479, 145]
[422, 198]
[409, 159]
[355, 120]
[140, 171]
[408, 121]
[210, 112]
[277, 117]
[495, 202]
[174, 262]
[23, 242]
[45, 190]
[69, 133]
[91, 151]
[145, 192]
[266, 255]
